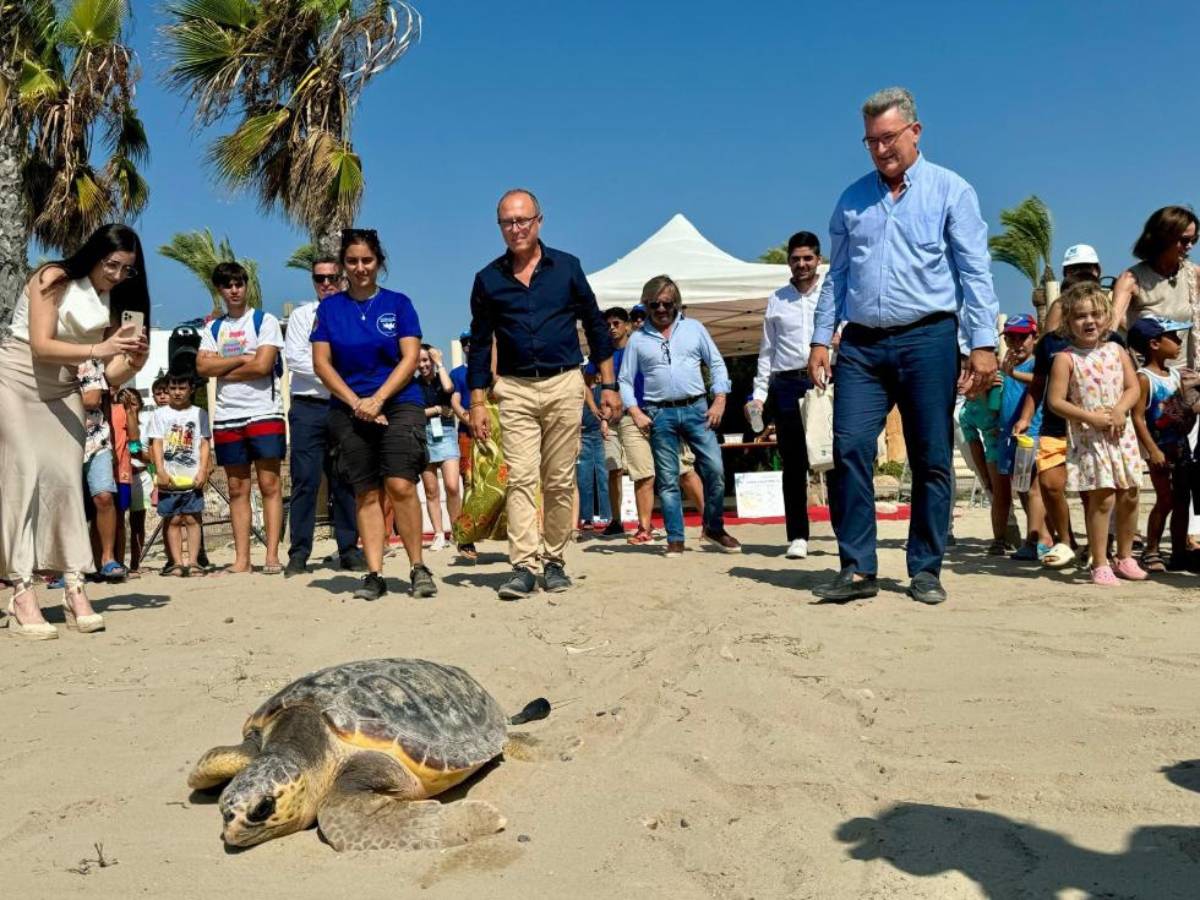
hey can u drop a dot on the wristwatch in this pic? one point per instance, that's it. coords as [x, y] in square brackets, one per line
[610, 386]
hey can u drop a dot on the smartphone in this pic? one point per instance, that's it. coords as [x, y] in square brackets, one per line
[135, 319]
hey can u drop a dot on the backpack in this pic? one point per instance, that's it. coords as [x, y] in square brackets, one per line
[257, 319]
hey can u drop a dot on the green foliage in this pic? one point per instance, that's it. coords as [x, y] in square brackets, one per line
[199, 253]
[303, 257]
[288, 74]
[777, 256]
[1027, 242]
[73, 81]
[892, 467]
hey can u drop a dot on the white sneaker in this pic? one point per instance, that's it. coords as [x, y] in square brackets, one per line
[797, 549]
[439, 543]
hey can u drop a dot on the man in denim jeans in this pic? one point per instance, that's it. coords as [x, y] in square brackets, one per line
[668, 352]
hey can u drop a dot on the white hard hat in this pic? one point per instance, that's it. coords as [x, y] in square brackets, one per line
[1080, 255]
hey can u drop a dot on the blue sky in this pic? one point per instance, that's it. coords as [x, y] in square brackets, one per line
[741, 116]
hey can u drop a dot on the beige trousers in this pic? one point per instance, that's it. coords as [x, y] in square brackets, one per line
[539, 430]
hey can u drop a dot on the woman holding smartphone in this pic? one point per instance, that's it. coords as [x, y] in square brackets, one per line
[69, 312]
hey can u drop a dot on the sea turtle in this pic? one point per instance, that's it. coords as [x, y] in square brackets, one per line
[358, 748]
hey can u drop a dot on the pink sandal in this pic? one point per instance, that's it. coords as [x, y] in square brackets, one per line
[1103, 576]
[1128, 569]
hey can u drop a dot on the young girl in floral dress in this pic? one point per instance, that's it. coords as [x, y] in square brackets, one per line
[1093, 386]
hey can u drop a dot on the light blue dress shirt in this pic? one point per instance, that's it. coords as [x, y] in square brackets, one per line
[894, 261]
[670, 367]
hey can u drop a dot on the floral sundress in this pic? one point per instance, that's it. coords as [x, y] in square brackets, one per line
[1096, 461]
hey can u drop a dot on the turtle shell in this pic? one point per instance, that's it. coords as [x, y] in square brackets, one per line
[432, 717]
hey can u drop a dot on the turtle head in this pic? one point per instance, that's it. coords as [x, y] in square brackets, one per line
[267, 799]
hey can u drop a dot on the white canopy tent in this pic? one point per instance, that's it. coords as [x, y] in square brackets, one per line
[725, 293]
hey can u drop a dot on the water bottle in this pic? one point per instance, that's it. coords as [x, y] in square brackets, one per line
[755, 418]
[1022, 474]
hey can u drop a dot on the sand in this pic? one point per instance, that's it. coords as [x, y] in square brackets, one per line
[719, 735]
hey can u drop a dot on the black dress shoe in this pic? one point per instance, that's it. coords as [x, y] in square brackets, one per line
[925, 588]
[846, 587]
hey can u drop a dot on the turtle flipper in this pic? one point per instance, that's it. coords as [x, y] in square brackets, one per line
[369, 821]
[220, 764]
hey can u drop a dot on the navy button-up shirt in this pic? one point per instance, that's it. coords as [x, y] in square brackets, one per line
[534, 327]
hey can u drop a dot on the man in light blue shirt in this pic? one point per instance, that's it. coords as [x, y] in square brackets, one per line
[909, 261]
[667, 352]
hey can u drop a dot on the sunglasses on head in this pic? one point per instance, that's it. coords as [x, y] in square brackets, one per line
[324, 279]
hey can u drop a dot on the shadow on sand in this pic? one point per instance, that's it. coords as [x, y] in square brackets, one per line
[1010, 859]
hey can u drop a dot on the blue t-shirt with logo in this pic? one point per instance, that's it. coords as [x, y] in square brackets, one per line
[458, 377]
[364, 340]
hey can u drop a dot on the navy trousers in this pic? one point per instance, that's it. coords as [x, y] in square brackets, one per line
[308, 419]
[915, 367]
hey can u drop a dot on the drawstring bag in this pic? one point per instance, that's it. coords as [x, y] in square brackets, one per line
[816, 412]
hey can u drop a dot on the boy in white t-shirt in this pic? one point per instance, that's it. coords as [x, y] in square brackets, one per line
[180, 446]
[240, 350]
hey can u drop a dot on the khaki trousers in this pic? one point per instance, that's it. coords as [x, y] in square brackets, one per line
[539, 430]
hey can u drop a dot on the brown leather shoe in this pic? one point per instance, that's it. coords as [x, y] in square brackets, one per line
[725, 541]
[674, 548]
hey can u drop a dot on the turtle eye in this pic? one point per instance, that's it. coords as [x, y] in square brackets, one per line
[263, 810]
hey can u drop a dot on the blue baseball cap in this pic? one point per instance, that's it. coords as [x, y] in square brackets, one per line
[637, 310]
[1151, 328]
[1022, 323]
[465, 336]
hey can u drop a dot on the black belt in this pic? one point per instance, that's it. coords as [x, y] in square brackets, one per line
[791, 373]
[323, 401]
[541, 371]
[674, 404]
[900, 329]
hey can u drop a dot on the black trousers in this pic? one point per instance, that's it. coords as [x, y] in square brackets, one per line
[783, 402]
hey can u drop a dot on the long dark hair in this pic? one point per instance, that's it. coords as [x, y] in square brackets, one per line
[1163, 229]
[131, 294]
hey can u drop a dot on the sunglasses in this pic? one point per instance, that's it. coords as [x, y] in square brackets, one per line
[325, 279]
[661, 304]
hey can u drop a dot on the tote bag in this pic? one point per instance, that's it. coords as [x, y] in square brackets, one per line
[816, 411]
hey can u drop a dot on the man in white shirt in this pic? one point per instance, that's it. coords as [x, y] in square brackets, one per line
[240, 350]
[782, 378]
[308, 425]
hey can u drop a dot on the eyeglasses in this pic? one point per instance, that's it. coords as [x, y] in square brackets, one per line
[1185, 241]
[885, 141]
[115, 269]
[325, 279]
[517, 224]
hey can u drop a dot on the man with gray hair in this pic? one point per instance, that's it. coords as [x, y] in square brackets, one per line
[909, 268]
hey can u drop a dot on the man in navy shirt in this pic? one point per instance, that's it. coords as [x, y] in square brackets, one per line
[530, 301]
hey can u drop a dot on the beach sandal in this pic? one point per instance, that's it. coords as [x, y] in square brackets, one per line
[113, 571]
[176, 571]
[1059, 556]
[1103, 576]
[1153, 562]
[1128, 569]
[1026, 553]
[640, 537]
[272, 569]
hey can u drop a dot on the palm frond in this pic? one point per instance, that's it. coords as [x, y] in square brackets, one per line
[241, 14]
[303, 257]
[37, 83]
[237, 156]
[1030, 221]
[1015, 250]
[92, 23]
[132, 189]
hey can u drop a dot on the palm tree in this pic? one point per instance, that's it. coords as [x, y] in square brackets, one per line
[66, 91]
[290, 73]
[197, 251]
[1027, 241]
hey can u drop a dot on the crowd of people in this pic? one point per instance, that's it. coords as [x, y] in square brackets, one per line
[542, 437]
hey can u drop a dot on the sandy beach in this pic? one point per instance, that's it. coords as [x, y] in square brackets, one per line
[719, 734]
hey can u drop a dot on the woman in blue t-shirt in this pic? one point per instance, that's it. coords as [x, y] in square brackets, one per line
[366, 343]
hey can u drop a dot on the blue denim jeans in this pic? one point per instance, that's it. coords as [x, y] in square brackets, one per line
[592, 477]
[915, 368]
[687, 423]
